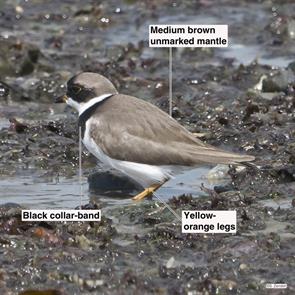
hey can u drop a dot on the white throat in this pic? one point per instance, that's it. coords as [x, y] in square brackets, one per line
[82, 107]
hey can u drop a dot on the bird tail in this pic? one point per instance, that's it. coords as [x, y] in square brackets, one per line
[217, 156]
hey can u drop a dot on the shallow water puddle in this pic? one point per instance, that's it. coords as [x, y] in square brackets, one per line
[189, 182]
[4, 123]
[28, 192]
[65, 193]
[275, 204]
[246, 54]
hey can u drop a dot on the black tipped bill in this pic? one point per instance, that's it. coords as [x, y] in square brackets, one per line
[61, 99]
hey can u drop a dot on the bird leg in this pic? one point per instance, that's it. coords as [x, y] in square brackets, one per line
[147, 191]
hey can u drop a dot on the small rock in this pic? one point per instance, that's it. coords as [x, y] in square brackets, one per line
[171, 262]
[243, 266]
[279, 81]
[17, 126]
[218, 172]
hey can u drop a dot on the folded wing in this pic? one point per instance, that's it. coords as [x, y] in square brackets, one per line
[129, 129]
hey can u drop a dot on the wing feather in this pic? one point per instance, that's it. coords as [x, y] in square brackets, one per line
[130, 129]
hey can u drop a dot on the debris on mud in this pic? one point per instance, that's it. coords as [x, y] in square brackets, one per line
[241, 99]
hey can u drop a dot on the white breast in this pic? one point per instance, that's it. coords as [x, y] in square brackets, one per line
[144, 174]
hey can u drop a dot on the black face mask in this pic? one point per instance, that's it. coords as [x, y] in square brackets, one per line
[79, 93]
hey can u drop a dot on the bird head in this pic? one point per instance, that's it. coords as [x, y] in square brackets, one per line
[85, 86]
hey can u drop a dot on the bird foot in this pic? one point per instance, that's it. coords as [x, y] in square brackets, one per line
[145, 193]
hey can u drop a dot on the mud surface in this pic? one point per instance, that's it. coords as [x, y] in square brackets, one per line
[241, 99]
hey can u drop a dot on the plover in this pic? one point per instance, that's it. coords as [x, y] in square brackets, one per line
[136, 137]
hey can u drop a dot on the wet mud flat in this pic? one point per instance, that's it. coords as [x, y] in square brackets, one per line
[241, 99]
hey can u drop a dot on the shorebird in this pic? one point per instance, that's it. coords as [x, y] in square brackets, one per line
[136, 137]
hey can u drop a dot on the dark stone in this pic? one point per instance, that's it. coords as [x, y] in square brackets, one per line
[224, 188]
[108, 183]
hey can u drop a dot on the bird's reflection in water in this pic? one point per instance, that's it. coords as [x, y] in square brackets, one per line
[110, 186]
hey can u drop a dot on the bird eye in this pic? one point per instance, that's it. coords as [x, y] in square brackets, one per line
[76, 89]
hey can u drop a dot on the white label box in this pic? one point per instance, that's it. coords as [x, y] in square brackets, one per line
[209, 221]
[188, 35]
[61, 215]
[276, 286]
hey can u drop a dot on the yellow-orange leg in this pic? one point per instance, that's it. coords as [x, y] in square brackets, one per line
[147, 191]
